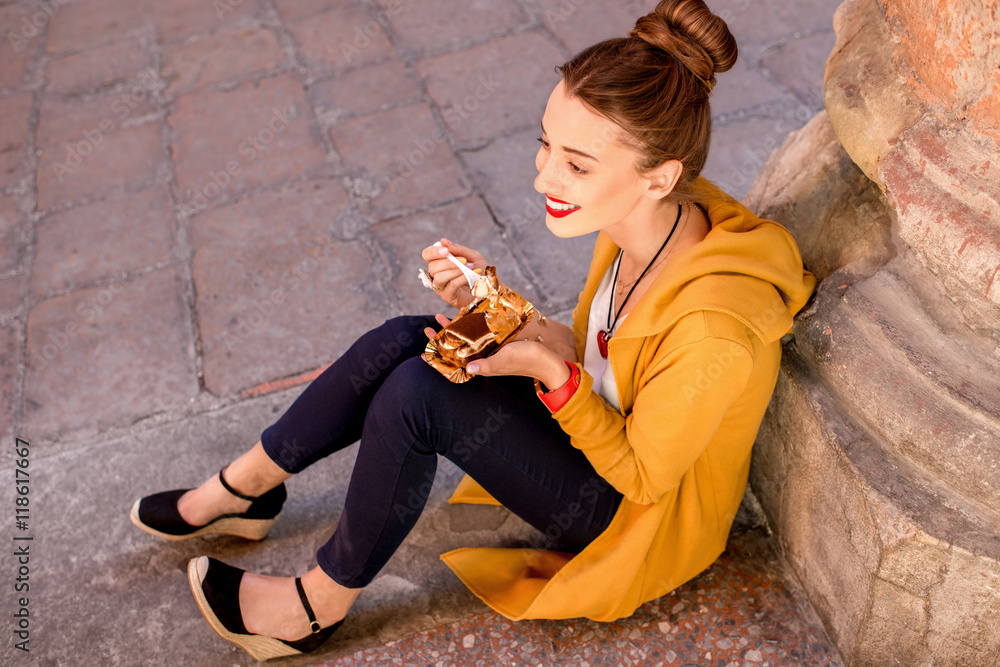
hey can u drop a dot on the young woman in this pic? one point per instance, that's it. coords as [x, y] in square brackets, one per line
[625, 439]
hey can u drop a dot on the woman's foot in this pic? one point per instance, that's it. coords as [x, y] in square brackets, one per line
[243, 500]
[271, 606]
[209, 501]
[253, 474]
[258, 613]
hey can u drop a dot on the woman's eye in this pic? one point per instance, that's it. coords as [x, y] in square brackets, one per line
[576, 169]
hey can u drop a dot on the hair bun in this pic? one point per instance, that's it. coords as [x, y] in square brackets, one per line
[691, 33]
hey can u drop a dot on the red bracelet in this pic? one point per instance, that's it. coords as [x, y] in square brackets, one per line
[557, 398]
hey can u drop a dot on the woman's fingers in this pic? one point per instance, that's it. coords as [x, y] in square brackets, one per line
[444, 277]
[471, 255]
[443, 320]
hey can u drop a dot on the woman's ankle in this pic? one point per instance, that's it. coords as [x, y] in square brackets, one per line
[271, 605]
[254, 473]
[209, 501]
[330, 601]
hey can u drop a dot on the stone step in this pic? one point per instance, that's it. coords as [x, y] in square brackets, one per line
[877, 347]
[895, 562]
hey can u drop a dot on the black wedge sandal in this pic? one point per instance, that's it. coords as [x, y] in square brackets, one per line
[216, 588]
[157, 515]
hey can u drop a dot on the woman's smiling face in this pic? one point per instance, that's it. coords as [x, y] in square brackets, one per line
[587, 175]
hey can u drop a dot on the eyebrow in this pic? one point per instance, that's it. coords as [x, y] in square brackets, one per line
[572, 150]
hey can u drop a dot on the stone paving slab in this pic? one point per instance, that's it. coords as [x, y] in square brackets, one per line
[106, 356]
[400, 160]
[80, 119]
[218, 58]
[182, 19]
[11, 228]
[363, 91]
[344, 37]
[224, 143]
[492, 88]
[426, 27]
[267, 270]
[577, 24]
[759, 27]
[97, 67]
[130, 156]
[22, 27]
[799, 65]
[125, 232]
[10, 299]
[82, 24]
[8, 376]
[15, 111]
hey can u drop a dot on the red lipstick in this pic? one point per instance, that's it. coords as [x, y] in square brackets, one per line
[559, 213]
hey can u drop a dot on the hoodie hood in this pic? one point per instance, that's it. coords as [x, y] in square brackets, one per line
[745, 267]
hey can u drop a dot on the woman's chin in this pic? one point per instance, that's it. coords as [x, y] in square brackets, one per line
[563, 229]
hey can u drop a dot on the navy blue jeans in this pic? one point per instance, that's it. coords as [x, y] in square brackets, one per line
[405, 414]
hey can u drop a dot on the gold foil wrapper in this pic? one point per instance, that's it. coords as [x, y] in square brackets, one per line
[496, 314]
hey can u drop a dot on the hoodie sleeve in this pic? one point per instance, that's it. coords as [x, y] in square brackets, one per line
[683, 397]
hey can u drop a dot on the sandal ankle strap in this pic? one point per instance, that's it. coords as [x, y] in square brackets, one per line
[314, 625]
[230, 489]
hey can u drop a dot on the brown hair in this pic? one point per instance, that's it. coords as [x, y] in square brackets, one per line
[655, 83]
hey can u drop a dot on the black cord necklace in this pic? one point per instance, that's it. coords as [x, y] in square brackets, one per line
[604, 336]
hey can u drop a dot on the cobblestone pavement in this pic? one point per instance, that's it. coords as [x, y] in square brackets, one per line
[204, 202]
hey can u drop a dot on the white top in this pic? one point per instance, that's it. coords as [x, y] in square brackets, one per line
[596, 365]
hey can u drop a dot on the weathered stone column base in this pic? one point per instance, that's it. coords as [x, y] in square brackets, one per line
[889, 589]
[876, 461]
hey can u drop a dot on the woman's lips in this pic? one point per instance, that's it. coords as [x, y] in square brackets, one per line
[558, 208]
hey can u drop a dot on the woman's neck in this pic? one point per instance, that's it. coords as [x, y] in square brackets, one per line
[642, 233]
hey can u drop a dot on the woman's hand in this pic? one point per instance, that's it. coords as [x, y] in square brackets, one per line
[519, 357]
[449, 281]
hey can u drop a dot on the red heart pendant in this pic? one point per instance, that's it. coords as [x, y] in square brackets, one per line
[602, 343]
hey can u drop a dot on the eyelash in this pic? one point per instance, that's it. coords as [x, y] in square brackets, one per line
[576, 169]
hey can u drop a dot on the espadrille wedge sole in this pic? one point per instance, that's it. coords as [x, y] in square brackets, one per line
[250, 529]
[259, 646]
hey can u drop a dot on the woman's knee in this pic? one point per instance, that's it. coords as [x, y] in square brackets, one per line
[397, 338]
[409, 385]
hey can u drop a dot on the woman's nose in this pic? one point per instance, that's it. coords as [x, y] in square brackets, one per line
[544, 181]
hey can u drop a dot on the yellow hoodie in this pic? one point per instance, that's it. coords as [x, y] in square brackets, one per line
[695, 363]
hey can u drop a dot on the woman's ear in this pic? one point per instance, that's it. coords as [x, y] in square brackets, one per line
[663, 179]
